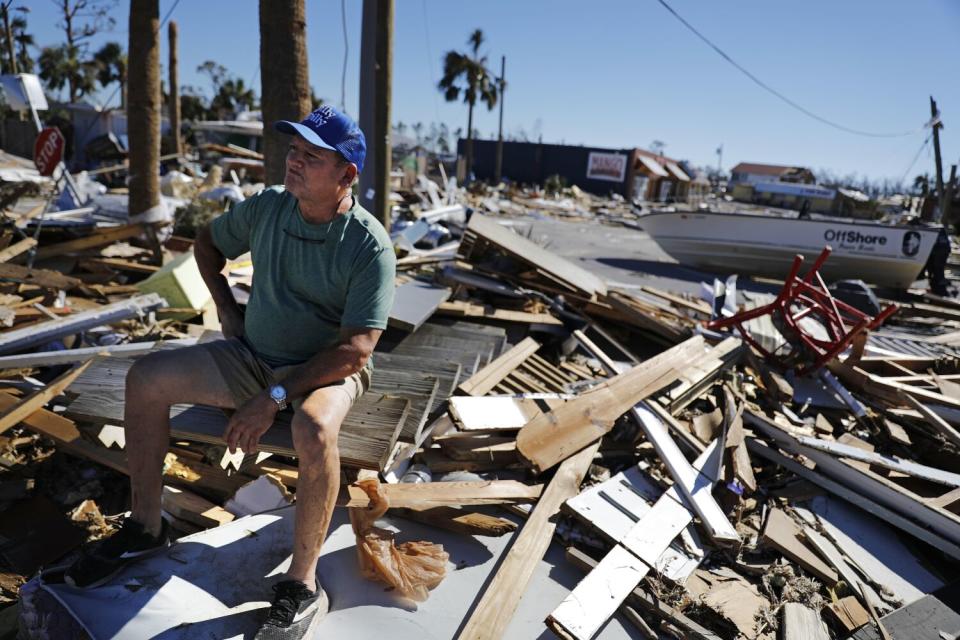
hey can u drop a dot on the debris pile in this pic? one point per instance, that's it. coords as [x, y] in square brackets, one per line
[706, 488]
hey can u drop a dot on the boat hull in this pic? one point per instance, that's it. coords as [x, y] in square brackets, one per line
[751, 244]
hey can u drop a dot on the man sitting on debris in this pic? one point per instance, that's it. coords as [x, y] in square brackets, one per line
[322, 291]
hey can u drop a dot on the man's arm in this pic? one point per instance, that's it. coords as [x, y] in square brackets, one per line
[347, 357]
[211, 262]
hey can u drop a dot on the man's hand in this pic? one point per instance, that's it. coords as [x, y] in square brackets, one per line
[231, 322]
[250, 422]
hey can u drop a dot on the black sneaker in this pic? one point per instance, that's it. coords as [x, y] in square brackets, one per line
[106, 558]
[294, 613]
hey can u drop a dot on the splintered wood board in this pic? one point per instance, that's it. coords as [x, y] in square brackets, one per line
[533, 254]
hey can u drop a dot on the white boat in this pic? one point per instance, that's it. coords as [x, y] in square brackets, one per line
[765, 244]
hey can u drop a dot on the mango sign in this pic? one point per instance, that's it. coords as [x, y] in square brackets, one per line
[48, 150]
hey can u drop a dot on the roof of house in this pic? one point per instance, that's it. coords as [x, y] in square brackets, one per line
[764, 169]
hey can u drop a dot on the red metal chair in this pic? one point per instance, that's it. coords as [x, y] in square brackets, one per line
[802, 298]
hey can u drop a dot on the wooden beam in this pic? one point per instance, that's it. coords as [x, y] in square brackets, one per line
[99, 239]
[554, 436]
[194, 509]
[40, 277]
[17, 248]
[484, 380]
[431, 494]
[14, 415]
[492, 615]
[783, 534]
[461, 309]
[942, 426]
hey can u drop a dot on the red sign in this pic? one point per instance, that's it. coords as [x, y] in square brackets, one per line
[48, 150]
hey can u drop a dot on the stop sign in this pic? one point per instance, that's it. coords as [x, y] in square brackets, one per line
[48, 150]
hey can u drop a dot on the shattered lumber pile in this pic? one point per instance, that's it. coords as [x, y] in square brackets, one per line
[703, 492]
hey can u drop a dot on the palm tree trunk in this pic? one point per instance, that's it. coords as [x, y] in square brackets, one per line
[284, 78]
[143, 113]
[174, 88]
[469, 164]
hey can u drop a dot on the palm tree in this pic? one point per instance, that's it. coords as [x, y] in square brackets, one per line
[61, 66]
[111, 64]
[284, 78]
[468, 73]
[143, 110]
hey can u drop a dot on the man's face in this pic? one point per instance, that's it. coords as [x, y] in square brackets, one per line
[315, 174]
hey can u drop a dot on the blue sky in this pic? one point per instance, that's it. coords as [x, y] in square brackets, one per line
[622, 73]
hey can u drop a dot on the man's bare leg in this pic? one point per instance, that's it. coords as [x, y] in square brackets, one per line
[154, 383]
[316, 426]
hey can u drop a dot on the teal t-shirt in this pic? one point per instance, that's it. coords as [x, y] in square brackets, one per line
[309, 280]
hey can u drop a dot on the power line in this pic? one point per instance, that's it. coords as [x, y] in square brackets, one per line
[765, 86]
[914, 161]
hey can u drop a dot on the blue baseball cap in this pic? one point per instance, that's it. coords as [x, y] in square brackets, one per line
[328, 128]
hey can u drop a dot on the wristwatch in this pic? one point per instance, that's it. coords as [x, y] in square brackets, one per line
[278, 394]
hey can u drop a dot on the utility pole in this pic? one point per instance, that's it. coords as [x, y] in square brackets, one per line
[719, 160]
[498, 168]
[174, 112]
[376, 82]
[935, 120]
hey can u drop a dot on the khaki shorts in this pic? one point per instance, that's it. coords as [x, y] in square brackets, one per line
[246, 374]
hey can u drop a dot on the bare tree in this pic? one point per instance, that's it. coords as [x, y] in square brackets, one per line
[80, 20]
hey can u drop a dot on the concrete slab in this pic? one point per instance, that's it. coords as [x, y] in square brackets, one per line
[216, 584]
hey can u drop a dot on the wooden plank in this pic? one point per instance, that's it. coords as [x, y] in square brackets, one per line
[783, 534]
[432, 494]
[99, 239]
[459, 521]
[40, 277]
[493, 413]
[494, 611]
[20, 339]
[74, 356]
[689, 480]
[650, 604]
[942, 426]
[17, 248]
[554, 436]
[14, 415]
[192, 508]
[414, 303]
[848, 613]
[536, 256]
[877, 509]
[908, 467]
[483, 381]
[834, 556]
[462, 309]
[121, 265]
[801, 623]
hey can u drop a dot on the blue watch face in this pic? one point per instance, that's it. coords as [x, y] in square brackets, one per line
[278, 393]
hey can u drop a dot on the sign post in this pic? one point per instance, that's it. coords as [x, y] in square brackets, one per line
[48, 150]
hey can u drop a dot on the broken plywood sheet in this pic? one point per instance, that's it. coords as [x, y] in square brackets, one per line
[732, 597]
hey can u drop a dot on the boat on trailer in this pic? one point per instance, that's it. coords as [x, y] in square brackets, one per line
[765, 244]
